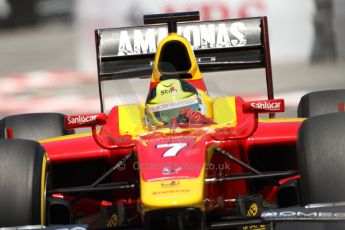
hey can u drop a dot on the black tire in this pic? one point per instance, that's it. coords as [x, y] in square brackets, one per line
[23, 166]
[35, 126]
[321, 102]
[321, 146]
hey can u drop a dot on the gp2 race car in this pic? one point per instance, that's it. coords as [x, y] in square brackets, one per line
[224, 168]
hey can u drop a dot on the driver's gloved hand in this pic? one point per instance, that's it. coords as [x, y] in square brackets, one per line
[187, 115]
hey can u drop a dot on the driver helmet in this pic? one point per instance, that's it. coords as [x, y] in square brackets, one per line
[168, 98]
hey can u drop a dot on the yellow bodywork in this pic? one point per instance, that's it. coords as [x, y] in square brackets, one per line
[131, 117]
[281, 120]
[222, 104]
[170, 193]
[173, 193]
[177, 192]
[194, 71]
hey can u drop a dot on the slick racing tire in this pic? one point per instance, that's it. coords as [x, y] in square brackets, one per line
[321, 146]
[23, 176]
[321, 102]
[34, 126]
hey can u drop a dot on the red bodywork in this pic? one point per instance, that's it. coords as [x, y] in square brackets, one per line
[265, 145]
[246, 141]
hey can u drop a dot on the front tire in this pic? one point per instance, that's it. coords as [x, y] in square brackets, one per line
[23, 175]
[321, 147]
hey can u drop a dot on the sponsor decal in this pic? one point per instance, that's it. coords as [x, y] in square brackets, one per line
[254, 227]
[264, 106]
[172, 90]
[87, 120]
[113, 221]
[201, 35]
[303, 215]
[171, 183]
[171, 105]
[171, 191]
[168, 171]
[254, 210]
[81, 119]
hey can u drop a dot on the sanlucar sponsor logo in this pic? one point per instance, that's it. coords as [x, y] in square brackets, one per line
[272, 106]
[201, 35]
[81, 119]
[263, 106]
[85, 120]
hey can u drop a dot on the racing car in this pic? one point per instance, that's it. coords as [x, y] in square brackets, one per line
[181, 159]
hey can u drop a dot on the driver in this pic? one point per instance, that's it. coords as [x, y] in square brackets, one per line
[173, 102]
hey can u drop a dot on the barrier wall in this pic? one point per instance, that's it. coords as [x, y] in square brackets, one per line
[290, 22]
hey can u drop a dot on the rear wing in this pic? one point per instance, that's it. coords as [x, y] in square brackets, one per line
[218, 45]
